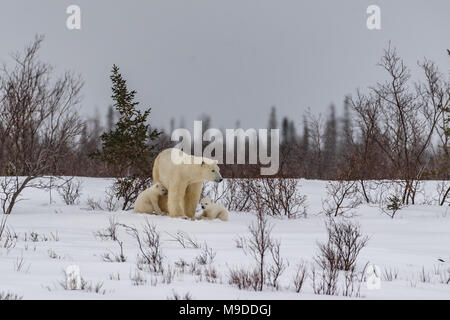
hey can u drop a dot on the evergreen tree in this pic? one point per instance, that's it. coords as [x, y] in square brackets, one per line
[330, 139]
[305, 135]
[347, 132]
[292, 134]
[273, 123]
[285, 131]
[127, 148]
[110, 118]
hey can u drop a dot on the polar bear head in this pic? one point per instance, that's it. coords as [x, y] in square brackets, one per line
[210, 170]
[206, 202]
[161, 190]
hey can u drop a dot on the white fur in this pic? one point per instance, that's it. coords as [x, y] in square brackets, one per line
[147, 201]
[213, 210]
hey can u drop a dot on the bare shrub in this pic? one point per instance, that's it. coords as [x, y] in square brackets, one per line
[149, 246]
[96, 288]
[245, 279]
[278, 197]
[400, 118]
[138, 278]
[114, 276]
[238, 195]
[325, 282]
[128, 188]
[70, 191]
[109, 203]
[185, 240]
[3, 225]
[40, 126]
[345, 241]
[5, 296]
[9, 188]
[194, 268]
[210, 274]
[206, 256]
[352, 285]
[86, 286]
[440, 274]
[340, 252]
[343, 196]
[278, 266]
[20, 265]
[53, 255]
[424, 276]
[215, 191]
[390, 274]
[115, 257]
[34, 236]
[444, 276]
[176, 296]
[168, 274]
[8, 235]
[240, 242]
[111, 232]
[300, 276]
[259, 244]
[181, 264]
[94, 204]
[443, 191]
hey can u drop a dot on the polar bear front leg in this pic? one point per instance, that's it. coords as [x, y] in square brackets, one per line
[191, 198]
[162, 203]
[175, 201]
[156, 206]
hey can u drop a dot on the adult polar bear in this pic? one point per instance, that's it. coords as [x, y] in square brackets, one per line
[183, 176]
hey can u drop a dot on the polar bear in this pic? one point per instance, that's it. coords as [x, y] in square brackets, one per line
[183, 176]
[213, 210]
[147, 200]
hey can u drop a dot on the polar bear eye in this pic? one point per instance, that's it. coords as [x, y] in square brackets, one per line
[213, 170]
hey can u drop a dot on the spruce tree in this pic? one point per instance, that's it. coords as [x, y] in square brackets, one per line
[347, 134]
[292, 135]
[305, 135]
[285, 131]
[127, 147]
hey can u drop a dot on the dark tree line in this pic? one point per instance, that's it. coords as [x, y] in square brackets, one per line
[394, 130]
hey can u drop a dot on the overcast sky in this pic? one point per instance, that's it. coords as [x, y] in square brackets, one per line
[232, 59]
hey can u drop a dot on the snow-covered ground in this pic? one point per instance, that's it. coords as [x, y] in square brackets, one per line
[416, 241]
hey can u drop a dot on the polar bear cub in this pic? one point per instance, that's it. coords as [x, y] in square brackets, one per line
[213, 210]
[147, 201]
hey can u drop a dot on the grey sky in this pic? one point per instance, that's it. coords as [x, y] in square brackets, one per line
[232, 59]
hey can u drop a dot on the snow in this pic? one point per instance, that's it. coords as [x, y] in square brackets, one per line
[412, 241]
